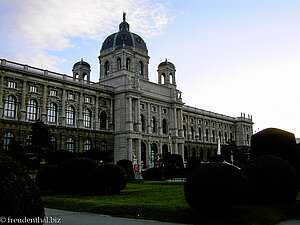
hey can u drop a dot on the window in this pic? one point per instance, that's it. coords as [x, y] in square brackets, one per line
[143, 122]
[12, 84]
[8, 140]
[53, 142]
[10, 107]
[141, 68]
[87, 118]
[199, 133]
[192, 133]
[70, 145]
[106, 68]
[142, 106]
[87, 99]
[103, 146]
[154, 108]
[153, 124]
[29, 140]
[52, 113]
[70, 115]
[33, 89]
[128, 64]
[103, 119]
[53, 93]
[32, 110]
[71, 96]
[87, 145]
[119, 64]
[164, 125]
[206, 135]
[164, 110]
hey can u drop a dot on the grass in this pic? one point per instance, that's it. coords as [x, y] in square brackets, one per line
[164, 201]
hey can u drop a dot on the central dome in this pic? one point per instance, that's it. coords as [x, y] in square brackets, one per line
[124, 39]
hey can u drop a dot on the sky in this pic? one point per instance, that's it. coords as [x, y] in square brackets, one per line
[231, 56]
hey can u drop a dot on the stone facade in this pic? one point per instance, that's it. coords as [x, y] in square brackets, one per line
[123, 113]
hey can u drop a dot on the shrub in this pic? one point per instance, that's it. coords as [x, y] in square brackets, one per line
[73, 175]
[19, 196]
[152, 174]
[271, 180]
[192, 164]
[57, 157]
[46, 178]
[107, 178]
[215, 187]
[128, 167]
[173, 166]
[278, 143]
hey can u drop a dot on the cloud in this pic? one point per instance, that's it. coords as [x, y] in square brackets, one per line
[34, 28]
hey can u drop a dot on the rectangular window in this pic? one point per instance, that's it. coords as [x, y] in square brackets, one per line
[12, 84]
[33, 89]
[53, 93]
[71, 96]
[142, 106]
[154, 108]
[164, 110]
[87, 99]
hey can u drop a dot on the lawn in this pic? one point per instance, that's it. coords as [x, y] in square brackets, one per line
[165, 201]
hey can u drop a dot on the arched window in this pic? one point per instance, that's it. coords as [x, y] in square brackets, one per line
[171, 78]
[8, 140]
[103, 120]
[206, 135]
[10, 107]
[70, 115]
[103, 146]
[163, 78]
[87, 145]
[192, 133]
[128, 62]
[213, 136]
[52, 113]
[143, 122]
[141, 68]
[225, 137]
[119, 63]
[153, 124]
[184, 131]
[53, 142]
[70, 145]
[32, 110]
[106, 68]
[87, 118]
[164, 126]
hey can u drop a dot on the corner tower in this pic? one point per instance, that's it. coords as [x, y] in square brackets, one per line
[123, 53]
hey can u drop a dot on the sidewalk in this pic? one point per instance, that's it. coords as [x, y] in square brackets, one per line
[78, 218]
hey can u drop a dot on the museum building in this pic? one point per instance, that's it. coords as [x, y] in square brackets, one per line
[124, 113]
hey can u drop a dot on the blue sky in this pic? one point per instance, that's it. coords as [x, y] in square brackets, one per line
[231, 56]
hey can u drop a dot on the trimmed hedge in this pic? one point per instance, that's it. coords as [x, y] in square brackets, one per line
[192, 164]
[107, 178]
[19, 196]
[215, 187]
[276, 142]
[46, 178]
[152, 174]
[73, 175]
[271, 180]
[128, 167]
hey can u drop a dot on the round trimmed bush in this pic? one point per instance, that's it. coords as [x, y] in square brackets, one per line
[271, 179]
[73, 175]
[128, 167]
[107, 178]
[152, 174]
[215, 187]
[46, 178]
[192, 164]
[19, 196]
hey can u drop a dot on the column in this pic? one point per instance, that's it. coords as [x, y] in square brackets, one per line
[44, 108]
[129, 115]
[97, 124]
[138, 110]
[80, 116]
[23, 106]
[148, 118]
[63, 108]
[175, 123]
[149, 158]
[1, 96]
[159, 121]
[139, 154]
[111, 121]
[130, 156]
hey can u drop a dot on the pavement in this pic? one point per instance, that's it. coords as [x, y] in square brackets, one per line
[62, 217]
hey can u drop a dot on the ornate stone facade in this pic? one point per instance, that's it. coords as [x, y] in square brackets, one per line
[124, 112]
